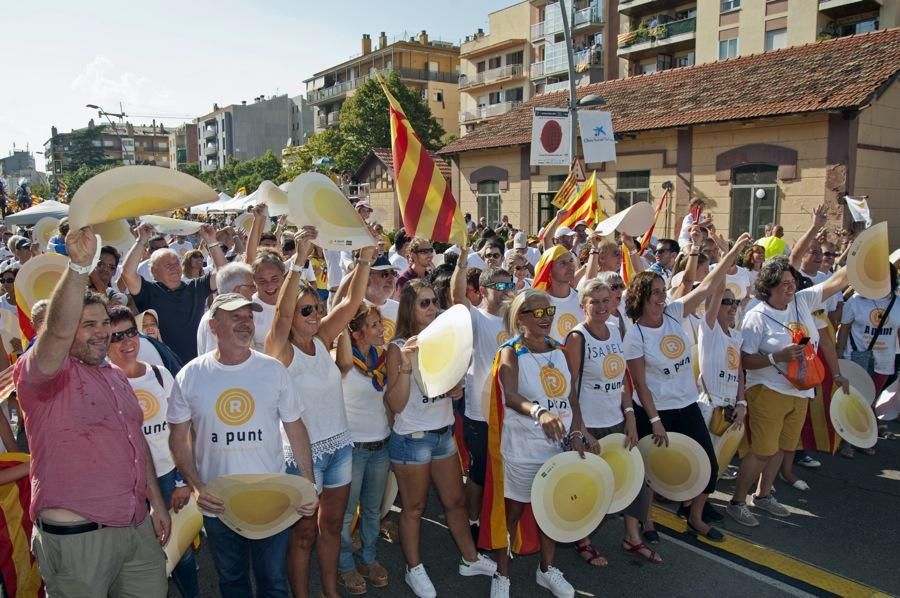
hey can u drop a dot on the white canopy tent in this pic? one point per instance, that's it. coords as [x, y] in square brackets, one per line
[31, 215]
[213, 206]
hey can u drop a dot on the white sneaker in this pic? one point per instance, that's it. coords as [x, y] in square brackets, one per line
[554, 581]
[769, 504]
[482, 566]
[500, 587]
[419, 583]
[741, 513]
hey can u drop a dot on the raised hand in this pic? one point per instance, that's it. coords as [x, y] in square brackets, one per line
[81, 246]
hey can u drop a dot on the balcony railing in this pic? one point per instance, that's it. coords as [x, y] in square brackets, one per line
[588, 16]
[341, 88]
[657, 35]
[559, 64]
[489, 76]
[537, 30]
[211, 150]
[483, 112]
[209, 132]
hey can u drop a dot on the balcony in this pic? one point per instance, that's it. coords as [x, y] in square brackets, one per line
[340, 89]
[537, 30]
[586, 17]
[489, 77]
[838, 9]
[333, 118]
[641, 8]
[551, 66]
[209, 132]
[643, 42]
[489, 111]
[211, 149]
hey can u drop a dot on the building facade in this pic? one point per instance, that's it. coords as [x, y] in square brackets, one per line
[656, 35]
[121, 142]
[761, 139]
[245, 131]
[429, 66]
[183, 146]
[18, 163]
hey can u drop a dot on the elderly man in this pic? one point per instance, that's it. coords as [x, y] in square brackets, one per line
[248, 441]
[180, 304]
[154, 244]
[236, 277]
[382, 280]
[92, 473]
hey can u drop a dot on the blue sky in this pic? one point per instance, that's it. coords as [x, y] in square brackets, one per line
[178, 58]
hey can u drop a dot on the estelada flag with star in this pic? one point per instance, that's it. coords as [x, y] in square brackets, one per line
[427, 205]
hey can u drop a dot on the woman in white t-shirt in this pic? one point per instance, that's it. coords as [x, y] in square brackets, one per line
[596, 357]
[777, 408]
[361, 357]
[300, 339]
[658, 352]
[422, 448]
[152, 386]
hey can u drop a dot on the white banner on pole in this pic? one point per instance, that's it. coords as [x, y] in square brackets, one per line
[597, 139]
[859, 209]
[551, 141]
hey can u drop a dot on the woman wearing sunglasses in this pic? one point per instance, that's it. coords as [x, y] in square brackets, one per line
[521, 270]
[300, 338]
[193, 264]
[595, 355]
[422, 448]
[152, 385]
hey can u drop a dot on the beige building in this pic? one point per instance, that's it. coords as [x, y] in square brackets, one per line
[761, 138]
[183, 146]
[657, 35]
[427, 65]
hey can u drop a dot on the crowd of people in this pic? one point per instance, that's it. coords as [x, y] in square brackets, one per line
[151, 374]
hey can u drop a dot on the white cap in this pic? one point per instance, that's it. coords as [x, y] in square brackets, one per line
[563, 231]
[520, 240]
[580, 223]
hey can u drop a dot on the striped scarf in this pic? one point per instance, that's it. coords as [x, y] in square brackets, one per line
[377, 372]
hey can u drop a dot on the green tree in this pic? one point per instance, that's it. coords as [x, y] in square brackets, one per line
[191, 168]
[365, 120]
[300, 159]
[85, 148]
[241, 173]
[76, 179]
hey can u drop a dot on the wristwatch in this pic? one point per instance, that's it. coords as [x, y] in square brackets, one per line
[80, 269]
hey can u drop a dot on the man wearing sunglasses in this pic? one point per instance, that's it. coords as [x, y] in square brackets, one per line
[92, 469]
[421, 262]
[666, 252]
[382, 280]
[492, 253]
[496, 286]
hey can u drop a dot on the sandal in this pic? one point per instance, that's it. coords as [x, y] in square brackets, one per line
[375, 573]
[353, 582]
[651, 535]
[590, 555]
[643, 550]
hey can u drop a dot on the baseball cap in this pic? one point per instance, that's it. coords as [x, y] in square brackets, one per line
[363, 204]
[10, 265]
[22, 243]
[383, 263]
[231, 302]
[580, 223]
[520, 240]
[563, 231]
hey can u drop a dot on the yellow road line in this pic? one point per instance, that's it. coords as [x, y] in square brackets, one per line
[782, 563]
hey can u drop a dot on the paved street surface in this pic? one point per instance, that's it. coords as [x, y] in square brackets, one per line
[841, 539]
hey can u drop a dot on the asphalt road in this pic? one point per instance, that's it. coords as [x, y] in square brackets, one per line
[846, 526]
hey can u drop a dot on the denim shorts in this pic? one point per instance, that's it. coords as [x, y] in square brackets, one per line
[420, 448]
[332, 470]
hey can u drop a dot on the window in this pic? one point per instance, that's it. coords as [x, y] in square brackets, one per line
[728, 48]
[858, 27]
[494, 98]
[754, 199]
[730, 5]
[489, 201]
[433, 67]
[481, 66]
[515, 95]
[546, 210]
[664, 62]
[776, 39]
[632, 187]
[438, 96]
[646, 69]
[495, 62]
[515, 58]
[686, 60]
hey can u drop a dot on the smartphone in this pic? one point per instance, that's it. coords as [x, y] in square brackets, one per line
[803, 340]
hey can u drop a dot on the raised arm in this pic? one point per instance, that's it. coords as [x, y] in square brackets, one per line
[458, 280]
[716, 278]
[835, 283]
[802, 245]
[547, 241]
[342, 313]
[130, 274]
[260, 215]
[277, 337]
[66, 305]
[214, 249]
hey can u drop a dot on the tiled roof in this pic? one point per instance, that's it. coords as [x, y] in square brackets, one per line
[383, 154]
[830, 75]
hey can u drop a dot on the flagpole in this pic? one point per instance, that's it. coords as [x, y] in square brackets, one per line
[570, 57]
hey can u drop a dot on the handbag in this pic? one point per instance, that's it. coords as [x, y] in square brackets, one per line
[808, 371]
[866, 359]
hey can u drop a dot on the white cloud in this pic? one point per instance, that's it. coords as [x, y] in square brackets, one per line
[101, 82]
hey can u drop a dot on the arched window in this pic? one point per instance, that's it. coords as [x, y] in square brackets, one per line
[754, 198]
[489, 201]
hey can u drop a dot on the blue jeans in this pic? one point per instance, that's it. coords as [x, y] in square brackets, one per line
[185, 573]
[370, 471]
[229, 551]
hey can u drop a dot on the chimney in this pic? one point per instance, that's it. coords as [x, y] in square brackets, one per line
[423, 37]
[243, 102]
[480, 32]
[382, 40]
[366, 44]
[215, 107]
[53, 132]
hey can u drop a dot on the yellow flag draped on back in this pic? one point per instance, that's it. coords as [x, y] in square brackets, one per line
[427, 205]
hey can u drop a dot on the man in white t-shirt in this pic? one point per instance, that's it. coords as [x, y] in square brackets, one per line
[180, 245]
[235, 401]
[520, 246]
[382, 277]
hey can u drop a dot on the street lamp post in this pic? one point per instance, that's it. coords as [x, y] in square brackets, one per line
[120, 115]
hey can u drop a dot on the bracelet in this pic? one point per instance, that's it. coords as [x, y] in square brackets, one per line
[695, 249]
[535, 407]
[594, 252]
[362, 262]
[80, 269]
[771, 357]
[654, 419]
[213, 245]
[628, 410]
[694, 254]
[742, 402]
[296, 267]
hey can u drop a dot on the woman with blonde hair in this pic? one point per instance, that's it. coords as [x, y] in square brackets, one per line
[193, 264]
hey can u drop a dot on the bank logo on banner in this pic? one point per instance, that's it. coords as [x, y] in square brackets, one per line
[551, 141]
[597, 138]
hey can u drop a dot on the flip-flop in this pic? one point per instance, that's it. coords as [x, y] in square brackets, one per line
[639, 548]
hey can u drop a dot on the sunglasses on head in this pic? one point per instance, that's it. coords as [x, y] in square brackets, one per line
[118, 337]
[501, 286]
[540, 312]
[306, 310]
[730, 302]
[425, 303]
[425, 250]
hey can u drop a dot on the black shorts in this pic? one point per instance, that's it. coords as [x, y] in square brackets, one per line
[475, 433]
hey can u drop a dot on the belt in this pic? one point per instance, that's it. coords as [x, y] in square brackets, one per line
[68, 530]
[372, 446]
[440, 430]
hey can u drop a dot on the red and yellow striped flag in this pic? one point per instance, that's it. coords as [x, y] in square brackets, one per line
[541, 280]
[427, 205]
[583, 205]
[18, 567]
[627, 266]
[565, 192]
[645, 240]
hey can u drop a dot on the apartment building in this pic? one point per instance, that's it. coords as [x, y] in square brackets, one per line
[122, 142]
[428, 65]
[248, 130]
[657, 35]
[183, 146]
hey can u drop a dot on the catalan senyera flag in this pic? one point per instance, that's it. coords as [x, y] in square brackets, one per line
[565, 192]
[18, 567]
[627, 266]
[427, 205]
[493, 534]
[583, 205]
[818, 433]
[542, 272]
[645, 240]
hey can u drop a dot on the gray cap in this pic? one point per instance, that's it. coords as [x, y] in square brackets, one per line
[231, 302]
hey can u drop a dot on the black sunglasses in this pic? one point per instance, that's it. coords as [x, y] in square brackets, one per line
[118, 337]
[617, 287]
[829, 254]
[425, 250]
[540, 312]
[8, 280]
[519, 268]
[385, 273]
[730, 302]
[306, 310]
[492, 256]
[424, 303]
